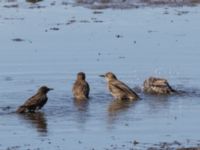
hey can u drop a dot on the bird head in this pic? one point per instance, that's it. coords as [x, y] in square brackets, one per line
[44, 89]
[109, 76]
[81, 76]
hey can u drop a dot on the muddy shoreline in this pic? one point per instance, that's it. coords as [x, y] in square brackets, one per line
[101, 4]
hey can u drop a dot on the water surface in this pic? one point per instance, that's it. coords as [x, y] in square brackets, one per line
[49, 45]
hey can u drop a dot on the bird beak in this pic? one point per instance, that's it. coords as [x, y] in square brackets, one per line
[102, 76]
[51, 89]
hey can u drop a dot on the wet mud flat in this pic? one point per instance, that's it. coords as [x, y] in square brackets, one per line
[48, 42]
[100, 4]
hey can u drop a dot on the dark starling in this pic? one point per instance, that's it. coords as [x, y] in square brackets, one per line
[81, 88]
[35, 102]
[155, 85]
[118, 89]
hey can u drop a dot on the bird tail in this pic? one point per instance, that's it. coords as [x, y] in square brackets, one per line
[21, 109]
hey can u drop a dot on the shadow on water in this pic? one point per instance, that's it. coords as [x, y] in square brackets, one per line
[187, 91]
[36, 120]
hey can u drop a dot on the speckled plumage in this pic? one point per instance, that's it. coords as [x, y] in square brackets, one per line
[118, 89]
[154, 85]
[81, 88]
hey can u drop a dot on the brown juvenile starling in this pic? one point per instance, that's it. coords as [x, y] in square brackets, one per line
[81, 88]
[155, 85]
[35, 102]
[118, 89]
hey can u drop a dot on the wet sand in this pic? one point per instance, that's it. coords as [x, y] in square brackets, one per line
[47, 43]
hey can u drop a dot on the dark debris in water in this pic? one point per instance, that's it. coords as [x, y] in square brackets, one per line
[71, 22]
[84, 21]
[11, 1]
[95, 20]
[135, 142]
[113, 6]
[11, 6]
[54, 28]
[36, 6]
[121, 57]
[118, 36]
[14, 148]
[53, 3]
[6, 108]
[166, 146]
[8, 78]
[97, 12]
[18, 40]
[13, 18]
[189, 148]
[64, 3]
[179, 13]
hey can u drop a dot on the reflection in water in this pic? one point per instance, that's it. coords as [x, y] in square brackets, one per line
[188, 91]
[118, 107]
[37, 120]
[82, 105]
[157, 103]
[82, 113]
[33, 1]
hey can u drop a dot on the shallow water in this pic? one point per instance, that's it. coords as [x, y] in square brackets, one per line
[49, 45]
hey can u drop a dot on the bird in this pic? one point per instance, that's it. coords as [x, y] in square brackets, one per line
[155, 85]
[81, 88]
[35, 102]
[118, 89]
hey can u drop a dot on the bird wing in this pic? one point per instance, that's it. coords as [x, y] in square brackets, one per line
[160, 82]
[122, 87]
[33, 101]
[76, 88]
[81, 88]
[86, 89]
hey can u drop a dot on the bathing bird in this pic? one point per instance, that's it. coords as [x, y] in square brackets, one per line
[81, 88]
[118, 89]
[154, 85]
[35, 102]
